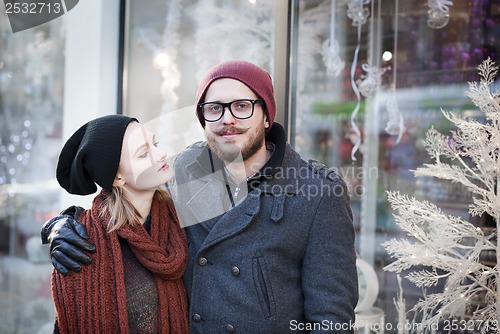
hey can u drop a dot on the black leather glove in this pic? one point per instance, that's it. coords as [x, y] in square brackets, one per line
[67, 239]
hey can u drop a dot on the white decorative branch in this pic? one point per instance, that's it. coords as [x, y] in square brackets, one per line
[444, 249]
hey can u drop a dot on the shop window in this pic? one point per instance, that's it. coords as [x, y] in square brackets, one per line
[31, 99]
[169, 45]
[367, 88]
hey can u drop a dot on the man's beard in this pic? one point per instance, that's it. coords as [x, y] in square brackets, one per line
[231, 152]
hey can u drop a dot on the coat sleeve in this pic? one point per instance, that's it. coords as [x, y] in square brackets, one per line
[329, 275]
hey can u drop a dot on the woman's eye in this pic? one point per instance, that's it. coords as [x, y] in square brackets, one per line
[145, 154]
[156, 143]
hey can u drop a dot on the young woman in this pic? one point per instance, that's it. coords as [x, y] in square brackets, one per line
[135, 282]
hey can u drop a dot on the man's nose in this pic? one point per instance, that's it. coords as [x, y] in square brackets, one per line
[228, 117]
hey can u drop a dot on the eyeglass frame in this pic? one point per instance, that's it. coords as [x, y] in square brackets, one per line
[228, 106]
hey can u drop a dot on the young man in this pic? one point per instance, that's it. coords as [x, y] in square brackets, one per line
[271, 241]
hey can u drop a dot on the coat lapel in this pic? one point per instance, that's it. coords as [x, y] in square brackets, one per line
[235, 220]
[209, 200]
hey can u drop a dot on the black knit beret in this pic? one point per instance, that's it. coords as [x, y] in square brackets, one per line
[92, 155]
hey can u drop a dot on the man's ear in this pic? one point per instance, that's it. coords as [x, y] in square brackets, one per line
[266, 122]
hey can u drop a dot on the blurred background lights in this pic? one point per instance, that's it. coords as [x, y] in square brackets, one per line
[160, 60]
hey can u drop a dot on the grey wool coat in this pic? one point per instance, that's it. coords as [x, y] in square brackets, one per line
[278, 259]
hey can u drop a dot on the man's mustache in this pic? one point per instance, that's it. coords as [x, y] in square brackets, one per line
[230, 129]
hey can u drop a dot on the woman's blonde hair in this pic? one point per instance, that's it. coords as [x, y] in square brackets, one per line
[122, 212]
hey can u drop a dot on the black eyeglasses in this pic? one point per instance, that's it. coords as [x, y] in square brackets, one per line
[240, 109]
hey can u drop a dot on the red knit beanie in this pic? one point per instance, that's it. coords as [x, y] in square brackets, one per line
[256, 78]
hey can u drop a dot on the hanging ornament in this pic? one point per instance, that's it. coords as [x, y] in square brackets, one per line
[369, 82]
[439, 13]
[330, 48]
[358, 14]
[330, 52]
[395, 124]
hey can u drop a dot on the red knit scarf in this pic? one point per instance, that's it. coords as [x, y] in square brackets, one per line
[94, 300]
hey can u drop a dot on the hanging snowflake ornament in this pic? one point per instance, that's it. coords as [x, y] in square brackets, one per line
[330, 52]
[439, 13]
[370, 82]
[395, 123]
[330, 48]
[444, 250]
[357, 12]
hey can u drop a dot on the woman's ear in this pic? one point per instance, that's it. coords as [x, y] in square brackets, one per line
[119, 181]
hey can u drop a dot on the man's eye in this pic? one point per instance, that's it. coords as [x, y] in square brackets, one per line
[215, 107]
[242, 106]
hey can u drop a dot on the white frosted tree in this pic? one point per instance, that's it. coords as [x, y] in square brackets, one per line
[444, 249]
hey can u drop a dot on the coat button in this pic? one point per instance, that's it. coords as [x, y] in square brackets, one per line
[235, 270]
[196, 317]
[202, 261]
[229, 328]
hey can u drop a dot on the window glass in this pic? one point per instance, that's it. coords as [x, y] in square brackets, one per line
[369, 82]
[169, 45]
[31, 102]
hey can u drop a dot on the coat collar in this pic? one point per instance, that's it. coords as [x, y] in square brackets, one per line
[278, 177]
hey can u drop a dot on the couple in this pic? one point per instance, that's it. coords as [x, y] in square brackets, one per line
[260, 261]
